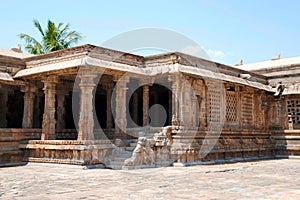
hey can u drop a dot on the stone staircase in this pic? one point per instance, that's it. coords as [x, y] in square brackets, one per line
[125, 151]
[121, 154]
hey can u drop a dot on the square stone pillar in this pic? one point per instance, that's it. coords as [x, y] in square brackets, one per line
[48, 126]
[145, 105]
[29, 98]
[135, 108]
[86, 117]
[109, 119]
[121, 120]
[37, 110]
[61, 110]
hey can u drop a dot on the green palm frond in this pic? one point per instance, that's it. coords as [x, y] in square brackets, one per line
[53, 38]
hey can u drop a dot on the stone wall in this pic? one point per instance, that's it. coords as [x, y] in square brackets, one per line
[10, 154]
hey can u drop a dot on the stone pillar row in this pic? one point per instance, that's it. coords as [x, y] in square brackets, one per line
[86, 117]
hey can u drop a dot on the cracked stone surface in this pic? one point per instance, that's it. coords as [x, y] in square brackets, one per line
[272, 179]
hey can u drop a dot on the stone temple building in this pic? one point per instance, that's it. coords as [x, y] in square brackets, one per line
[89, 105]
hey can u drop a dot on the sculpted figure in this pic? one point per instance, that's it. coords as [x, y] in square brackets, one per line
[142, 154]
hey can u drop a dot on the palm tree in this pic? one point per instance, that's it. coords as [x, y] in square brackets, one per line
[53, 38]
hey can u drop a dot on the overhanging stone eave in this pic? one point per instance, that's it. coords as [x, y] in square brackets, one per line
[110, 65]
[50, 68]
[223, 77]
[6, 77]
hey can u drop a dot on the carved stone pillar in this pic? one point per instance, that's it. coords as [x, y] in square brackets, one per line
[145, 105]
[3, 107]
[135, 107]
[48, 126]
[61, 96]
[121, 120]
[175, 79]
[37, 110]
[109, 122]
[29, 97]
[86, 119]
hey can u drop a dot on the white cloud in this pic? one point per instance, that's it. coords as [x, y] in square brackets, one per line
[216, 54]
[202, 52]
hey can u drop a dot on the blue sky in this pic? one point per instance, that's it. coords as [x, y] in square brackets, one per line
[228, 30]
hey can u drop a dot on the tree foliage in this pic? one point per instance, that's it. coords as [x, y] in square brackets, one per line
[54, 37]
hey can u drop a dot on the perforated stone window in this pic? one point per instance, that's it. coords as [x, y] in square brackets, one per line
[216, 104]
[231, 107]
[293, 108]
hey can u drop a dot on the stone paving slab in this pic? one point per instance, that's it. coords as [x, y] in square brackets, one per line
[272, 179]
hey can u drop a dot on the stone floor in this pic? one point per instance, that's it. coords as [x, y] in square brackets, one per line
[272, 179]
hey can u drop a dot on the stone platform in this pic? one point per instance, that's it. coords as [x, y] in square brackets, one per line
[89, 152]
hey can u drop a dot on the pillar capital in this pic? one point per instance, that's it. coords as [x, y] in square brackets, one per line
[120, 79]
[50, 79]
[29, 87]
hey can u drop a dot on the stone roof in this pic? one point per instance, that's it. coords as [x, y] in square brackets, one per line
[281, 71]
[266, 67]
[260, 75]
[14, 54]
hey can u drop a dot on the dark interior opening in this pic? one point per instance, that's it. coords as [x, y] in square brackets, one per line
[15, 105]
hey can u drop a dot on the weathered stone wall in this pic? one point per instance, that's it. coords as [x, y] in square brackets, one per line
[235, 124]
[10, 154]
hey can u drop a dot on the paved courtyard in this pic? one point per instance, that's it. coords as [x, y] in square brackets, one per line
[272, 179]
